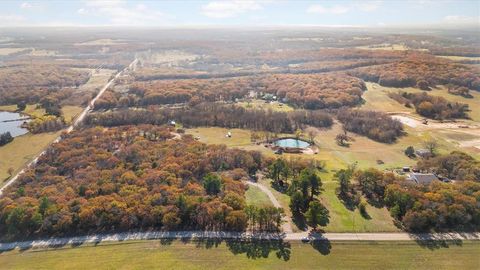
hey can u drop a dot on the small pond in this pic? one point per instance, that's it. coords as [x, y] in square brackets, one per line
[293, 143]
[12, 123]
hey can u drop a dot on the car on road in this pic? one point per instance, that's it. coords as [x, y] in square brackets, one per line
[306, 239]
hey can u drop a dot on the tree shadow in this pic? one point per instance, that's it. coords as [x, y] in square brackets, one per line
[300, 221]
[365, 215]
[320, 243]
[280, 188]
[254, 248]
[166, 241]
[348, 201]
[437, 241]
[376, 202]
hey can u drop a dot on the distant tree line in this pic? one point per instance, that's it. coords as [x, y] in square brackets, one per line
[212, 114]
[377, 126]
[307, 91]
[423, 71]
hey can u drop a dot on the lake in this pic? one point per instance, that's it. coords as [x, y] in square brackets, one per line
[13, 127]
[293, 143]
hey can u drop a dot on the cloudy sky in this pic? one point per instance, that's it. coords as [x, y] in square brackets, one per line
[239, 12]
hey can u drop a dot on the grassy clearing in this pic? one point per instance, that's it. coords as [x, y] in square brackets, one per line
[195, 255]
[18, 153]
[255, 196]
[376, 98]
[449, 139]
[7, 51]
[458, 58]
[386, 47]
[335, 158]
[216, 135]
[70, 112]
[31, 109]
[261, 105]
[344, 220]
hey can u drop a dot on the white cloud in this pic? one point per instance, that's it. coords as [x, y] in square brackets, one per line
[461, 20]
[369, 6]
[26, 5]
[118, 12]
[337, 9]
[226, 9]
[366, 6]
[82, 11]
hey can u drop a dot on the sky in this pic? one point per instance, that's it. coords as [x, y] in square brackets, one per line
[241, 13]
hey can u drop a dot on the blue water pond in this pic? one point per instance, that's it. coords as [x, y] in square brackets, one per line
[293, 143]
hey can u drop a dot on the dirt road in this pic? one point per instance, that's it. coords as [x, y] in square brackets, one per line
[287, 221]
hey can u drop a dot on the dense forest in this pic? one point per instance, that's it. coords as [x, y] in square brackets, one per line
[437, 207]
[31, 84]
[315, 91]
[377, 126]
[421, 71]
[424, 208]
[456, 165]
[98, 180]
[213, 114]
[432, 106]
[308, 91]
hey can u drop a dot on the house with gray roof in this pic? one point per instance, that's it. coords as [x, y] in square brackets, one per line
[422, 178]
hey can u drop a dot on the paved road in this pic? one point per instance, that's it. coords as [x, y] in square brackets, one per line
[287, 221]
[98, 238]
[69, 129]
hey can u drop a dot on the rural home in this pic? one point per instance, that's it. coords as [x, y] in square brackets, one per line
[422, 178]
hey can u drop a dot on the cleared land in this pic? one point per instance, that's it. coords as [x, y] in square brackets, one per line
[261, 105]
[388, 47]
[7, 51]
[448, 135]
[248, 255]
[255, 196]
[458, 58]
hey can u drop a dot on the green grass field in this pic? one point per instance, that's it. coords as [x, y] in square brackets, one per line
[255, 196]
[257, 255]
[216, 135]
[261, 105]
[344, 220]
[376, 98]
[70, 112]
